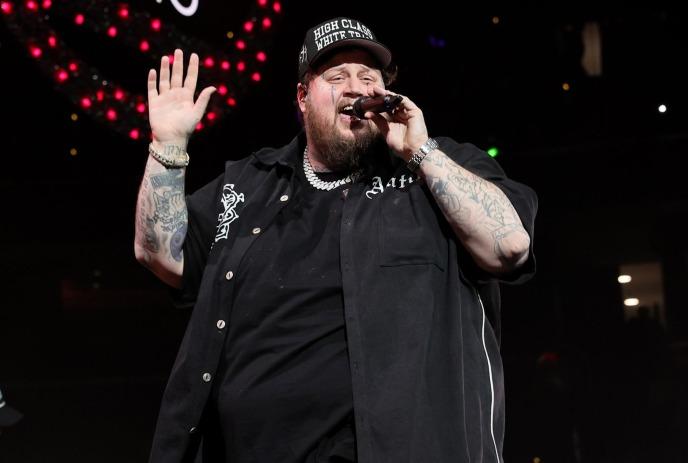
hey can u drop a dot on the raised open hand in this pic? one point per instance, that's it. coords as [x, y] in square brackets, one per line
[172, 112]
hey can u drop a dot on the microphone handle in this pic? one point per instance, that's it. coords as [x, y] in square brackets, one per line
[377, 105]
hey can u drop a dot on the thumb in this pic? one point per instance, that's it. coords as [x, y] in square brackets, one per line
[203, 99]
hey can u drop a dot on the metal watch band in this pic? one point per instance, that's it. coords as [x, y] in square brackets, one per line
[169, 161]
[418, 156]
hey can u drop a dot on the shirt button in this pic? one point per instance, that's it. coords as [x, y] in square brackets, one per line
[256, 230]
[220, 324]
[229, 275]
[283, 198]
[206, 377]
[193, 430]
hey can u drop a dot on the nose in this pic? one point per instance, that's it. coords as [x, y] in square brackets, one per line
[356, 87]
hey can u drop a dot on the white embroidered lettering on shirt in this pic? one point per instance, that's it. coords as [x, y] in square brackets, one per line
[393, 182]
[230, 199]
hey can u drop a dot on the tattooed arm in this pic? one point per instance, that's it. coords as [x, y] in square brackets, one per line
[161, 218]
[481, 215]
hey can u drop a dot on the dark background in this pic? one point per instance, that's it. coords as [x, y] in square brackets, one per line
[87, 336]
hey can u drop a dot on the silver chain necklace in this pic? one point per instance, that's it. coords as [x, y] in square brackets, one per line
[321, 184]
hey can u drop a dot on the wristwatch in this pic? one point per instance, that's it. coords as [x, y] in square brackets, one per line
[418, 156]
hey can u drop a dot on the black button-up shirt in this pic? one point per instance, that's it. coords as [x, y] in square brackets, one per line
[426, 373]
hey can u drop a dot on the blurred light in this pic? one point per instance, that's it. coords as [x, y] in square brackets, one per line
[248, 26]
[119, 94]
[32, 5]
[230, 35]
[537, 460]
[73, 152]
[261, 56]
[52, 41]
[141, 107]
[231, 101]
[262, 2]
[240, 44]
[267, 22]
[73, 66]
[222, 89]
[436, 42]
[209, 62]
[493, 151]
[155, 24]
[225, 65]
[566, 86]
[241, 66]
[277, 6]
[62, 75]
[6, 7]
[144, 45]
[47, 4]
[255, 76]
[74, 117]
[35, 51]
[495, 19]
[112, 31]
[199, 126]
[662, 108]
[631, 302]
[211, 116]
[111, 114]
[624, 279]
[123, 13]
[100, 95]
[86, 102]
[134, 134]
[171, 58]
[79, 19]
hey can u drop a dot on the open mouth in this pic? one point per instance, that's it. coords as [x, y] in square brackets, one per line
[348, 111]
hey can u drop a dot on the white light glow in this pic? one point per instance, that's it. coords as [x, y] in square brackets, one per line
[631, 302]
[624, 279]
[662, 108]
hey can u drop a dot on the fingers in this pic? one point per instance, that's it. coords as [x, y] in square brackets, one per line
[164, 74]
[192, 73]
[152, 87]
[202, 100]
[177, 69]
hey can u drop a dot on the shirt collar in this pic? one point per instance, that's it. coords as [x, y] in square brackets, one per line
[287, 155]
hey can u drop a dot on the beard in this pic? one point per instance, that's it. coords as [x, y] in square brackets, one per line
[340, 153]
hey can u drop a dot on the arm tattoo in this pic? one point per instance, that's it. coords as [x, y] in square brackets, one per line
[473, 204]
[162, 222]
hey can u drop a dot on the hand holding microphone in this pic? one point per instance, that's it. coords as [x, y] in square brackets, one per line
[376, 104]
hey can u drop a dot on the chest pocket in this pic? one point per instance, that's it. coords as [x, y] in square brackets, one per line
[410, 232]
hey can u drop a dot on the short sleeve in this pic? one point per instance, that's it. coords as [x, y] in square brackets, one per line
[202, 219]
[522, 197]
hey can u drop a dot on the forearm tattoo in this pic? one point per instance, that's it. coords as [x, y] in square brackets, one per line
[472, 204]
[162, 217]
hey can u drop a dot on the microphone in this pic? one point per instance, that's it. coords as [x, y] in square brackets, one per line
[377, 104]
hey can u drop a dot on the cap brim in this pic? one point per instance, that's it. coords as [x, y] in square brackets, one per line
[9, 417]
[379, 51]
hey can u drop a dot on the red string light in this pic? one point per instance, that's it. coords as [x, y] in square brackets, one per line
[231, 101]
[144, 45]
[123, 13]
[209, 62]
[211, 116]
[255, 76]
[86, 102]
[240, 44]
[134, 134]
[112, 31]
[6, 7]
[47, 4]
[248, 26]
[262, 2]
[141, 107]
[277, 6]
[199, 126]
[261, 56]
[241, 66]
[79, 19]
[32, 5]
[267, 22]
[35, 51]
[111, 114]
[62, 75]
[73, 66]
[52, 41]
[222, 89]
[225, 65]
[119, 94]
[155, 24]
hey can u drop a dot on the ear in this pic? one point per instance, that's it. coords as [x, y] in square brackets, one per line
[301, 95]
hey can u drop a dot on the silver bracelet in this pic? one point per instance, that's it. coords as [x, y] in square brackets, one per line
[418, 156]
[169, 161]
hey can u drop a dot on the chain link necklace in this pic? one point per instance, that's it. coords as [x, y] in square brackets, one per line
[321, 184]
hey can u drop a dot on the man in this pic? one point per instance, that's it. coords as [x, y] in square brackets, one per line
[8, 415]
[336, 281]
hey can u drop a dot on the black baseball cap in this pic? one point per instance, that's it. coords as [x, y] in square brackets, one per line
[8, 415]
[336, 33]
